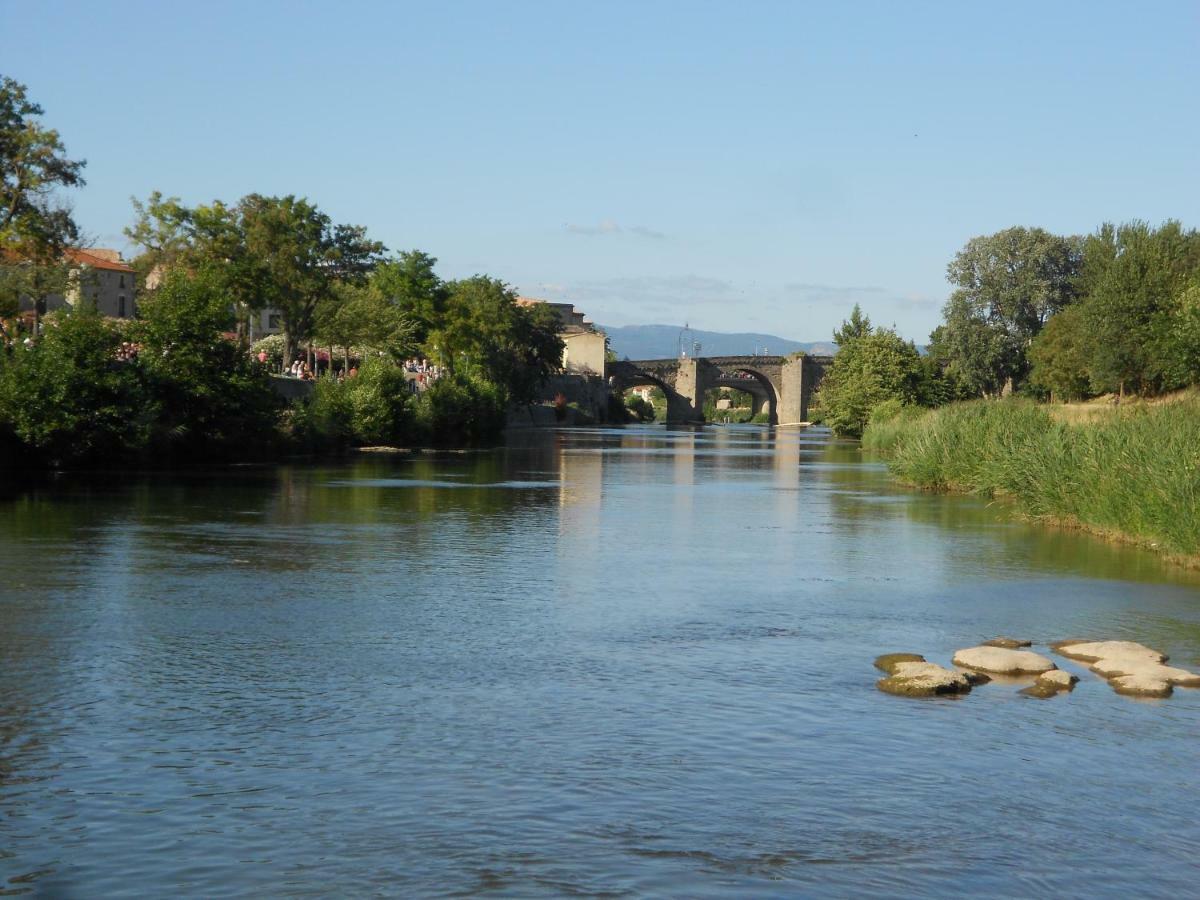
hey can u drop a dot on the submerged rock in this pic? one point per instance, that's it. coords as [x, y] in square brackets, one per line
[913, 678]
[1007, 643]
[1003, 661]
[1050, 684]
[1131, 668]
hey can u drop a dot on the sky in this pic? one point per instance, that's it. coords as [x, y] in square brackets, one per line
[747, 166]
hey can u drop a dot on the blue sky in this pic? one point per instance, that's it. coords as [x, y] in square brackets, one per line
[740, 166]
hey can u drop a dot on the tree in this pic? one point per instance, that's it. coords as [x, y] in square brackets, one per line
[298, 255]
[1133, 276]
[33, 165]
[410, 283]
[1008, 285]
[483, 332]
[359, 316]
[215, 401]
[68, 400]
[855, 327]
[868, 370]
[1059, 356]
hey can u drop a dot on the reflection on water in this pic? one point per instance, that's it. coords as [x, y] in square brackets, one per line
[602, 662]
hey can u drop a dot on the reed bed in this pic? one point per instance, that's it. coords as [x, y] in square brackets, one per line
[1133, 473]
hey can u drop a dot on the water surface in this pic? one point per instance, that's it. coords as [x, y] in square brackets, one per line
[601, 663]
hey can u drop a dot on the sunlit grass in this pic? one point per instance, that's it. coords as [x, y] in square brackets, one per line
[1131, 471]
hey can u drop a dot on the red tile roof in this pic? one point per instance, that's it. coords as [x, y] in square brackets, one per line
[97, 260]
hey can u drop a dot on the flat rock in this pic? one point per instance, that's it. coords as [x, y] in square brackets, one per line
[1093, 651]
[1007, 643]
[1141, 686]
[1131, 668]
[923, 679]
[1003, 661]
[888, 661]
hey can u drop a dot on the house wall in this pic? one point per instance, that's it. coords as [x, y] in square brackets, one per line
[583, 354]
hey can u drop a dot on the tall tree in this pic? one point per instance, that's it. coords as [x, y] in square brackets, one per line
[34, 225]
[300, 255]
[408, 281]
[485, 333]
[857, 326]
[1134, 276]
[867, 371]
[1007, 285]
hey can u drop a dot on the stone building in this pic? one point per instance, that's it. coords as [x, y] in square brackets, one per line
[583, 345]
[98, 276]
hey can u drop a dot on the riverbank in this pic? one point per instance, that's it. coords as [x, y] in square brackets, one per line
[1126, 473]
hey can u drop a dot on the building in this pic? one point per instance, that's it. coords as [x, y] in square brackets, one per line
[100, 277]
[584, 347]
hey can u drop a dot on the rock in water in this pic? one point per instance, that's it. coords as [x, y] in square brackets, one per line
[888, 661]
[1050, 684]
[1007, 643]
[923, 679]
[1003, 661]
[1131, 668]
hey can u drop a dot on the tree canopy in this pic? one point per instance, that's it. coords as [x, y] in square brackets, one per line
[34, 222]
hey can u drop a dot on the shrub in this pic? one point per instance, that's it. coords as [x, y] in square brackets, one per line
[456, 409]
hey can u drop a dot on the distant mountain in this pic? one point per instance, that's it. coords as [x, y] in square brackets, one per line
[662, 342]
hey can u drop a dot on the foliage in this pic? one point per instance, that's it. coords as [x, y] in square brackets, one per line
[640, 408]
[215, 400]
[1008, 285]
[1059, 357]
[33, 164]
[461, 409]
[1131, 472]
[360, 316]
[68, 400]
[857, 326]
[273, 346]
[409, 283]
[380, 411]
[868, 370]
[486, 335]
[1134, 277]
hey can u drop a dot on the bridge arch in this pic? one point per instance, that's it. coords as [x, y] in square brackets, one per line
[740, 378]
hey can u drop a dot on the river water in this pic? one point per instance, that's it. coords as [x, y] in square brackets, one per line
[601, 663]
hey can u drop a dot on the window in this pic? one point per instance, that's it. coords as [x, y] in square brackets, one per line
[273, 321]
[122, 283]
[121, 303]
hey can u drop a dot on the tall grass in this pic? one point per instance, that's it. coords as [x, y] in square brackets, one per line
[1134, 473]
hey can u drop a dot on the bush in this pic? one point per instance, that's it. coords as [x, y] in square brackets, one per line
[458, 409]
[379, 403]
[68, 401]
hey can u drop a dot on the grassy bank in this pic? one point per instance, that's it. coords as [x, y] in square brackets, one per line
[1129, 473]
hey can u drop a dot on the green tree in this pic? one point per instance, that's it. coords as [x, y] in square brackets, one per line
[1059, 356]
[867, 371]
[298, 255]
[68, 399]
[855, 327]
[1133, 276]
[34, 225]
[215, 401]
[1007, 285]
[485, 333]
[409, 282]
[1175, 340]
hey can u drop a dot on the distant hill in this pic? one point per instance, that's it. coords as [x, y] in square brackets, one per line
[662, 342]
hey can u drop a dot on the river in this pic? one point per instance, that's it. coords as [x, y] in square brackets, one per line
[600, 663]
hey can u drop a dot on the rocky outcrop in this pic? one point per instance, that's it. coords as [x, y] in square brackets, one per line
[909, 675]
[1003, 661]
[1130, 668]
[1050, 684]
[1007, 643]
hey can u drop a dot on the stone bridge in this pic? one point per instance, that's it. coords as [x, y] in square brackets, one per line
[782, 386]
